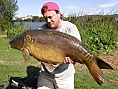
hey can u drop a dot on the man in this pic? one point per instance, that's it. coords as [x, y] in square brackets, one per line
[57, 76]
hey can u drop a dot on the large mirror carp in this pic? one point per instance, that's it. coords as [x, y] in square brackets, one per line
[52, 46]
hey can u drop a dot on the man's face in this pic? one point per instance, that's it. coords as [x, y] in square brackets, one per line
[52, 19]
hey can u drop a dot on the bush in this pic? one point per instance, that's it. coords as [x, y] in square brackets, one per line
[15, 31]
[98, 32]
[99, 41]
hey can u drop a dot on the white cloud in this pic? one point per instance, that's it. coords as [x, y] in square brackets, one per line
[71, 7]
[111, 3]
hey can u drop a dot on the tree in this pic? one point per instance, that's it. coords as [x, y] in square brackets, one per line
[41, 19]
[35, 19]
[18, 20]
[8, 10]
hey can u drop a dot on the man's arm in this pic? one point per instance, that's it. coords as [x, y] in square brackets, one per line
[74, 32]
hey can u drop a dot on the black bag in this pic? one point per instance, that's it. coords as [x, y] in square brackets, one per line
[29, 82]
[21, 83]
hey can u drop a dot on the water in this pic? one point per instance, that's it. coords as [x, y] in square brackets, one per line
[30, 25]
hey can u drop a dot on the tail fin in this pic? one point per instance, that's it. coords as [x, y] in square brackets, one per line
[95, 69]
[102, 64]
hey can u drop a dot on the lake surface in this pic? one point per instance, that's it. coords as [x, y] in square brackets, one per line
[30, 25]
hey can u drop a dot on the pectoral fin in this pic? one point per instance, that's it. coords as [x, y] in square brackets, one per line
[25, 53]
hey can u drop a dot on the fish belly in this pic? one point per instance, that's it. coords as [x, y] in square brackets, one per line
[47, 53]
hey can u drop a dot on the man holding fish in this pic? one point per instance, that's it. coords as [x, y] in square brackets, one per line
[64, 77]
[58, 46]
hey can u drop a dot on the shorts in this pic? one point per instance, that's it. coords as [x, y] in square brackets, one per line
[46, 82]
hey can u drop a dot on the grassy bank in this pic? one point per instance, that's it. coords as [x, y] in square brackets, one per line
[13, 64]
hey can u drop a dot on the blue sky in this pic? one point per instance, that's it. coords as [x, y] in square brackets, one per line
[32, 7]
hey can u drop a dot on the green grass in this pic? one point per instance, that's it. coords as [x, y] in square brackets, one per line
[7, 53]
[13, 64]
[83, 79]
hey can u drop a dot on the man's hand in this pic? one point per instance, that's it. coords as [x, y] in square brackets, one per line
[68, 60]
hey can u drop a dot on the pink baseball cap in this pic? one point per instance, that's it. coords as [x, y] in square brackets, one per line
[49, 6]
